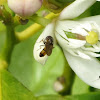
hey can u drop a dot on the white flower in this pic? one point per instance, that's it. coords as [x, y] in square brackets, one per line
[80, 41]
[39, 45]
[24, 8]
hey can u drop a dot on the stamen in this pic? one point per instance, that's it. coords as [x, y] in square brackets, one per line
[74, 36]
[70, 35]
[80, 37]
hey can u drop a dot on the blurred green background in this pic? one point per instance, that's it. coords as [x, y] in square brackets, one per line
[27, 78]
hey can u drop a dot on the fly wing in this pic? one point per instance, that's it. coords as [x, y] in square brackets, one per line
[49, 50]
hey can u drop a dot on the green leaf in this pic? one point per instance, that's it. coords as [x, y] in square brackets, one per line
[95, 9]
[36, 77]
[51, 97]
[11, 89]
[88, 96]
[79, 87]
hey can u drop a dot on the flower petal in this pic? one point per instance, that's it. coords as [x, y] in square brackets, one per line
[87, 70]
[78, 52]
[96, 22]
[69, 26]
[95, 19]
[39, 45]
[76, 8]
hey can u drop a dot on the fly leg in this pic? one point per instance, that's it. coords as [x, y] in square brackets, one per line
[40, 41]
[40, 47]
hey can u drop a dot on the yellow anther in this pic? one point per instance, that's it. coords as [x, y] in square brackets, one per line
[92, 38]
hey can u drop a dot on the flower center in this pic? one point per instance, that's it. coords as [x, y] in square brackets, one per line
[92, 38]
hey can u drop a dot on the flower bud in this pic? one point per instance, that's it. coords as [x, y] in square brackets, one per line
[24, 8]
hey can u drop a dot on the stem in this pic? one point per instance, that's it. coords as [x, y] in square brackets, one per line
[10, 38]
[10, 42]
[33, 28]
[29, 32]
[2, 2]
[40, 20]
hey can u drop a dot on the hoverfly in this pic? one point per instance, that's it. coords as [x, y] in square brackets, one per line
[48, 42]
